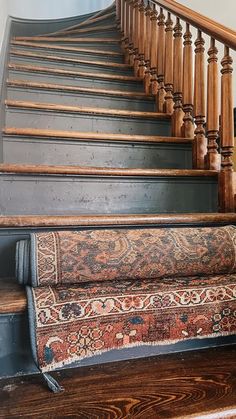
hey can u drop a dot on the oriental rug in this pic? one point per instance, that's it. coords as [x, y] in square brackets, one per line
[70, 323]
[75, 257]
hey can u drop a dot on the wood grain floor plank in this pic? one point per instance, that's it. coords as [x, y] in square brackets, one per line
[200, 384]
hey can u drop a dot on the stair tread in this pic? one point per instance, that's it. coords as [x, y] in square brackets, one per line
[190, 384]
[94, 28]
[94, 136]
[59, 71]
[67, 221]
[12, 297]
[69, 60]
[66, 48]
[77, 89]
[86, 110]
[103, 171]
[68, 39]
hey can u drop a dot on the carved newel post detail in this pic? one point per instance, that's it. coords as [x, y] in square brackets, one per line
[177, 120]
[188, 127]
[169, 65]
[161, 62]
[200, 141]
[154, 83]
[226, 192]
[213, 157]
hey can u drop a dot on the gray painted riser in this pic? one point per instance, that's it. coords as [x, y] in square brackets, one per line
[71, 54]
[108, 154]
[90, 68]
[77, 81]
[105, 46]
[80, 99]
[96, 34]
[86, 123]
[57, 195]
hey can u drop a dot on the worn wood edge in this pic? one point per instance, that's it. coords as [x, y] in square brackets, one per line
[218, 31]
[61, 221]
[12, 297]
[92, 29]
[94, 136]
[69, 59]
[70, 40]
[103, 171]
[85, 110]
[66, 48]
[77, 89]
[70, 73]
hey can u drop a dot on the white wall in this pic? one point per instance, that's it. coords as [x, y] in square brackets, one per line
[222, 11]
[3, 18]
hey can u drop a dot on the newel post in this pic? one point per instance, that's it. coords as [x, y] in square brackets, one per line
[226, 192]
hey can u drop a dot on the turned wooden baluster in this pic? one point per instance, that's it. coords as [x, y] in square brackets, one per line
[177, 118]
[122, 9]
[125, 39]
[118, 12]
[142, 35]
[213, 157]
[136, 43]
[188, 126]
[131, 22]
[226, 192]
[161, 62]
[169, 65]
[132, 31]
[200, 141]
[154, 83]
[147, 55]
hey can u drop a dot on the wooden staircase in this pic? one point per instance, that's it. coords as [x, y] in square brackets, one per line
[97, 135]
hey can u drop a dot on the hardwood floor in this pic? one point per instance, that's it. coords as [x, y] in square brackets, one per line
[198, 384]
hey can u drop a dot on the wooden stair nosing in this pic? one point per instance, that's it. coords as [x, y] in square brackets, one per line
[94, 136]
[12, 297]
[65, 221]
[72, 73]
[85, 110]
[66, 48]
[69, 60]
[93, 29]
[70, 40]
[76, 89]
[28, 169]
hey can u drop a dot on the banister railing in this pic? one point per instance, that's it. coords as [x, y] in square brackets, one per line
[158, 42]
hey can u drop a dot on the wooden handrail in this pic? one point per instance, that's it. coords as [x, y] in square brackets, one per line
[210, 27]
[158, 42]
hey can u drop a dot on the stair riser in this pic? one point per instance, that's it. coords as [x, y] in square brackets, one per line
[80, 99]
[102, 154]
[100, 34]
[71, 54]
[77, 81]
[108, 46]
[57, 195]
[91, 68]
[82, 122]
